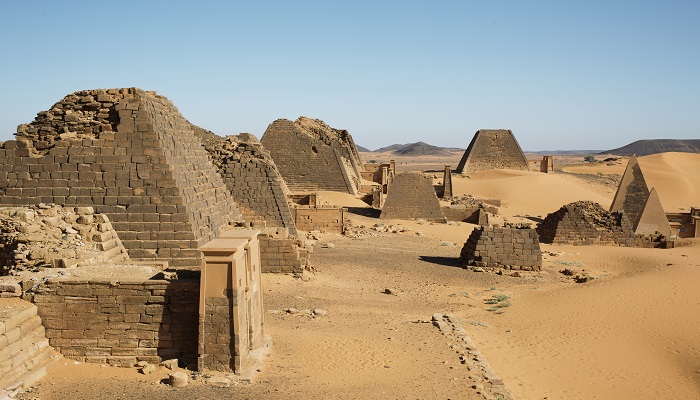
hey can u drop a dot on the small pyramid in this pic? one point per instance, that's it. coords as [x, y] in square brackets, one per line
[632, 192]
[493, 149]
[653, 218]
[412, 196]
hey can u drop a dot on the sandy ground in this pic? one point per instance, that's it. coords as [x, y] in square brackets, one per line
[633, 332]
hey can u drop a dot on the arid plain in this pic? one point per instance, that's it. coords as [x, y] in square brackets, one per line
[629, 333]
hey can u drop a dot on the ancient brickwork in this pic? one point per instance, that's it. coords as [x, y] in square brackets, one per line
[120, 323]
[493, 149]
[412, 196]
[507, 247]
[312, 156]
[282, 254]
[320, 218]
[24, 349]
[132, 156]
[252, 178]
[632, 192]
[48, 235]
[586, 223]
[447, 182]
[652, 220]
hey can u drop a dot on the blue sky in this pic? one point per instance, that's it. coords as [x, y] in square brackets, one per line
[560, 74]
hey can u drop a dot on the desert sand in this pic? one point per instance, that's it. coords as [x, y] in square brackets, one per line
[633, 332]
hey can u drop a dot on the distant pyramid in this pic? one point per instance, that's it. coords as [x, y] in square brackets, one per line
[632, 193]
[653, 218]
[492, 149]
[412, 196]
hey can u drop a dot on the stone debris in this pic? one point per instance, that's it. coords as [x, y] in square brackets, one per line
[171, 364]
[178, 379]
[585, 223]
[52, 236]
[481, 377]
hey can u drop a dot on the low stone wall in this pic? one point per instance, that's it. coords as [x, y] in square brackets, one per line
[507, 247]
[474, 215]
[283, 254]
[24, 350]
[120, 323]
[324, 219]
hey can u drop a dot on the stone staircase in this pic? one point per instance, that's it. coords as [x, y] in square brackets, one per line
[24, 349]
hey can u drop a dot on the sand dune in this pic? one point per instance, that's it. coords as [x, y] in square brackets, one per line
[527, 193]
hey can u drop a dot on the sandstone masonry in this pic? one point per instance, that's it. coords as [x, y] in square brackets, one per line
[506, 247]
[493, 149]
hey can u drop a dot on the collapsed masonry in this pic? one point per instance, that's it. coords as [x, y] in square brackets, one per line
[131, 155]
[252, 178]
[642, 206]
[48, 235]
[312, 156]
[511, 247]
[412, 196]
[585, 223]
[492, 149]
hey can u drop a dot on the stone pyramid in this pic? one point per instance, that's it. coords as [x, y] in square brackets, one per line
[653, 219]
[632, 193]
[492, 149]
[312, 156]
[412, 196]
[129, 154]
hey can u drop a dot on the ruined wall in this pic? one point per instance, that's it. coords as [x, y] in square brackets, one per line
[585, 223]
[282, 254]
[312, 156]
[131, 155]
[412, 196]
[120, 323]
[24, 349]
[48, 235]
[493, 149]
[508, 247]
[252, 178]
[319, 218]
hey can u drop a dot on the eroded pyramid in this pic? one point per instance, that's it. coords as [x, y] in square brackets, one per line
[652, 219]
[493, 149]
[632, 193]
[412, 196]
[129, 154]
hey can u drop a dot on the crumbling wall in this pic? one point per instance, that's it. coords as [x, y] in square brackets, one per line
[312, 156]
[280, 253]
[48, 235]
[493, 149]
[320, 218]
[131, 155]
[252, 178]
[508, 247]
[412, 196]
[120, 323]
[584, 223]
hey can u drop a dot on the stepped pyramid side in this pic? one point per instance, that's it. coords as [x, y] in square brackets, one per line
[131, 155]
[253, 180]
[632, 193]
[412, 196]
[312, 156]
[653, 219]
[493, 149]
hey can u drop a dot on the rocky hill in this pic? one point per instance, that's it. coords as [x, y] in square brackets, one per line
[647, 147]
[416, 149]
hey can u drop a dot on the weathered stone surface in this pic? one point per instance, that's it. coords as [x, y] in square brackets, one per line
[313, 156]
[509, 247]
[632, 193]
[131, 156]
[584, 223]
[493, 149]
[412, 196]
[652, 219]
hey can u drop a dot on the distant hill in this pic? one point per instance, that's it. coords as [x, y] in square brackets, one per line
[363, 149]
[416, 149]
[654, 146]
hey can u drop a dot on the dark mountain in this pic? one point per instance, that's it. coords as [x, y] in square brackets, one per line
[363, 149]
[417, 149]
[654, 146]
